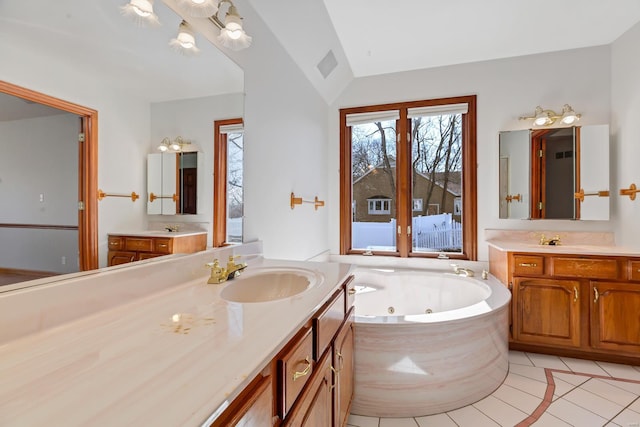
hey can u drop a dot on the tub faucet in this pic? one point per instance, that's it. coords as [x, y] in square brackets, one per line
[461, 271]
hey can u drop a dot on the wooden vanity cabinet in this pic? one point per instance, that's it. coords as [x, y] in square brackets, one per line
[253, 408]
[343, 362]
[129, 248]
[572, 304]
[313, 381]
[547, 311]
[615, 316]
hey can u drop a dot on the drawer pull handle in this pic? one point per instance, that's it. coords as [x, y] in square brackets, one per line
[528, 264]
[575, 294]
[596, 295]
[305, 371]
[162, 245]
[352, 291]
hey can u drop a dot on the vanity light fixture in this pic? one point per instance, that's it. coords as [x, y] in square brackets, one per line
[232, 34]
[141, 11]
[185, 41]
[543, 117]
[174, 146]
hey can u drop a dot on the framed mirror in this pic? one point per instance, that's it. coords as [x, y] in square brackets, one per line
[557, 173]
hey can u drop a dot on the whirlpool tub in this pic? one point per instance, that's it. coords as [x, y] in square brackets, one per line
[426, 341]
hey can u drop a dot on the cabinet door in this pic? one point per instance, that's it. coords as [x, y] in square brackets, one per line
[253, 408]
[120, 257]
[343, 362]
[314, 407]
[547, 311]
[615, 316]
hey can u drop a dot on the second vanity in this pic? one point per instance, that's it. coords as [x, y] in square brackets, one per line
[136, 246]
[153, 344]
[577, 300]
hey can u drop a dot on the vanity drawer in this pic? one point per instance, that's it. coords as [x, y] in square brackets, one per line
[327, 322]
[144, 244]
[634, 270]
[294, 368]
[116, 243]
[162, 246]
[585, 267]
[528, 264]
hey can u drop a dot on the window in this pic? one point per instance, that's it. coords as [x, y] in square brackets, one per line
[228, 197]
[418, 154]
[379, 206]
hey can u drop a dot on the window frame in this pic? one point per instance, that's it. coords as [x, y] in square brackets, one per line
[404, 176]
[220, 151]
[382, 211]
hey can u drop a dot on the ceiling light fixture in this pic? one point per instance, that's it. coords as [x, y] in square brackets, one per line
[543, 117]
[185, 41]
[141, 12]
[232, 34]
[199, 8]
[174, 146]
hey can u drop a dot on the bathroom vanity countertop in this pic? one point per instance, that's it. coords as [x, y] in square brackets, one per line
[158, 233]
[134, 364]
[569, 249]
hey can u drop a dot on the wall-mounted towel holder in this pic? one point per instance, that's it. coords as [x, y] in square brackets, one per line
[580, 195]
[133, 196]
[298, 201]
[153, 197]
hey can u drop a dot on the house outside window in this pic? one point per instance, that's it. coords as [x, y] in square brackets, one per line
[421, 156]
[379, 206]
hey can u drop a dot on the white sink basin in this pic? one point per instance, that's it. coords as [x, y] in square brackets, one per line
[270, 284]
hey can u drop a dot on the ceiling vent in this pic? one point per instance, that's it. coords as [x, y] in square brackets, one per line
[328, 64]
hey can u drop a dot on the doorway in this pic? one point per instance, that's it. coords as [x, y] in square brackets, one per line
[87, 169]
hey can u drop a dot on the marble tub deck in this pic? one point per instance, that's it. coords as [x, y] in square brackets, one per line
[543, 390]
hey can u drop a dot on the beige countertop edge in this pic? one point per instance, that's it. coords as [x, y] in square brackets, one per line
[577, 249]
[137, 370]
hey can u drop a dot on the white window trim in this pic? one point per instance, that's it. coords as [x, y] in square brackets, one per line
[379, 211]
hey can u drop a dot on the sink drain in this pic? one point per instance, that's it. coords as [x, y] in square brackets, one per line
[428, 311]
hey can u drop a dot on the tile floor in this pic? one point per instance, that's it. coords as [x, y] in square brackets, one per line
[543, 390]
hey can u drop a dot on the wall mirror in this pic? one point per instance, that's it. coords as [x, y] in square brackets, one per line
[45, 51]
[174, 181]
[557, 173]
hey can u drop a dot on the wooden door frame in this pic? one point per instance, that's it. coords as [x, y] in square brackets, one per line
[87, 169]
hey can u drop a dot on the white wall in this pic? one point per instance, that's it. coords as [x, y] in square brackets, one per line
[193, 120]
[285, 146]
[45, 197]
[123, 131]
[506, 89]
[625, 128]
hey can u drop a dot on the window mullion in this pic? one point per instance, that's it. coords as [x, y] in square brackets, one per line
[403, 193]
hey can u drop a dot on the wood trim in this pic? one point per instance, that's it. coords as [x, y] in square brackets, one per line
[469, 202]
[23, 272]
[345, 185]
[87, 169]
[576, 177]
[220, 182]
[40, 226]
[403, 185]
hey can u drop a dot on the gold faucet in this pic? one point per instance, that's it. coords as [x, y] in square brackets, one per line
[461, 271]
[218, 274]
[222, 274]
[233, 269]
[555, 241]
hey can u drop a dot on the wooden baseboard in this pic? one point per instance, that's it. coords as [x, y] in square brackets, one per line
[595, 355]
